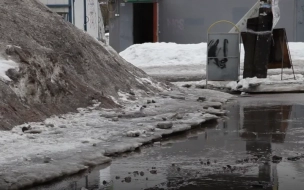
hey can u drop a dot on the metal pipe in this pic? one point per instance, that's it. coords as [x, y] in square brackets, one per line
[282, 45]
[70, 11]
[74, 12]
[85, 14]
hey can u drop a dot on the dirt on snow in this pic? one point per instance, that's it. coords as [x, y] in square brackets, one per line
[61, 67]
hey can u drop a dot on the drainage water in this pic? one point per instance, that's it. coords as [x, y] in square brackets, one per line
[260, 146]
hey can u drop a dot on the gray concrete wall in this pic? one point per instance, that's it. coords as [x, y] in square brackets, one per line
[126, 26]
[121, 27]
[114, 31]
[187, 21]
[288, 19]
[299, 10]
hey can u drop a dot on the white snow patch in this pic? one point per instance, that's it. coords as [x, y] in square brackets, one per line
[160, 54]
[6, 65]
[123, 96]
[81, 129]
[168, 54]
[107, 37]
[114, 100]
[150, 82]
[232, 85]
[296, 50]
[136, 133]
[186, 60]
[273, 83]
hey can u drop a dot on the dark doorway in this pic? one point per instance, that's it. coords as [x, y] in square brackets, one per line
[143, 23]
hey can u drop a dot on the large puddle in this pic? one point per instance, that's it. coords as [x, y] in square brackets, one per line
[260, 146]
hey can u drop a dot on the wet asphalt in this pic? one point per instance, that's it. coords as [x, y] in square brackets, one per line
[260, 146]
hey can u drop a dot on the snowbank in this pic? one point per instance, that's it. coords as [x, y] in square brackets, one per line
[270, 84]
[171, 54]
[177, 62]
[5, 65]
[165, 54]
[296, 50]
[59, 67]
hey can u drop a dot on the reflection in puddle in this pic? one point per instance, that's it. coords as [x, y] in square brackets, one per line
[251, 150]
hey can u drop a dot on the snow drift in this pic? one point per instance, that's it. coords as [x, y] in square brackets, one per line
[181, 62]
[48, 66]
[171, 54]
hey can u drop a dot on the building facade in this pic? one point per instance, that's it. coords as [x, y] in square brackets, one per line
[84, 14]
[187, 21]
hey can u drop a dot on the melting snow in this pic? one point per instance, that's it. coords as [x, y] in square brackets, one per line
[171, 54]
[6, 65]
[171, 60]
[271, 83]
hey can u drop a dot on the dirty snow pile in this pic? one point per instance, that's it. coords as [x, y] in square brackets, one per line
[50, 67]
[188, 61]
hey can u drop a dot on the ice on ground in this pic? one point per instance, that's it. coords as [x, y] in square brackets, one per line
[202, 84]
[273, 83]
[84, 138]
[5, 65]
